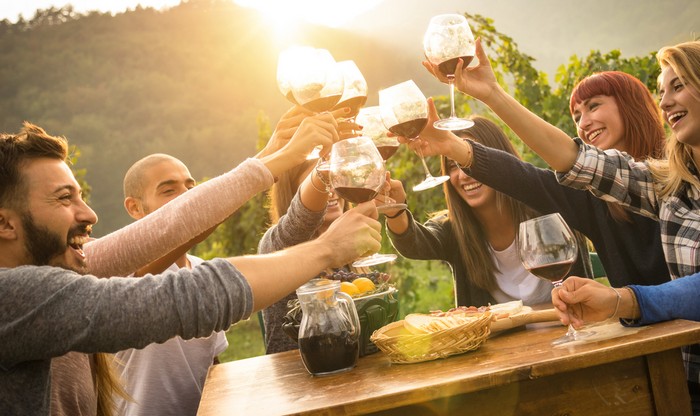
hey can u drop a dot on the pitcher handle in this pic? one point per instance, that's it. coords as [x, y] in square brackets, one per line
[349, 305]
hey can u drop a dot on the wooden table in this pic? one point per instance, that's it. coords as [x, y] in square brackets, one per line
[515, 373]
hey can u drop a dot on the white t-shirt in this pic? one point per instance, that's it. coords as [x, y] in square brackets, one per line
[516, 282]
[167, 378]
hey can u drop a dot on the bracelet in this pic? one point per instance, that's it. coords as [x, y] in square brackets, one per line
[319, 175]
[617, 304]
[634, 303]
[391, 217]
[320, 191]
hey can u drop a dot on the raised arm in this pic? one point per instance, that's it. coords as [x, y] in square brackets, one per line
[551, 143]
[206, 205]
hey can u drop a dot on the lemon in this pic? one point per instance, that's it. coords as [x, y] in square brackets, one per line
[364, 284]
[349, 288]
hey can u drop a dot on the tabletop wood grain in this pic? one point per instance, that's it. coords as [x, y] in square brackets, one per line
[279, 384]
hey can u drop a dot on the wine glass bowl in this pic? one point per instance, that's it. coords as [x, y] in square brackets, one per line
[447, 39]
[354, 88]
[357, 174]
[370, 119]
[317, 84]
[404, 112]
[309, 77]
[356, 169]
[548, 249]
[289, 62]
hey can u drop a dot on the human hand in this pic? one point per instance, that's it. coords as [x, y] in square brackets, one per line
[318, 130]
[479, 81]
[285, 129]
[354, 234]
[433, 141]
[394, 191]
[580, 300]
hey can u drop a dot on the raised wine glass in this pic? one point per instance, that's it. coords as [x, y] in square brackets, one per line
[548, 249]
[370, 119]
[311, 78]
[289, 62]
[357, 174]
[354, 89]
[447, 39]
[404, 112]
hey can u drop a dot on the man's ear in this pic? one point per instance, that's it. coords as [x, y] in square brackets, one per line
[134, 207]
[9, 223]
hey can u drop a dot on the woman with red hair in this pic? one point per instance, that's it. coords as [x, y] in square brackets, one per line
[610, 110]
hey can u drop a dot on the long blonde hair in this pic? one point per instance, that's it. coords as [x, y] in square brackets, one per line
[473, 245]
[670, 174]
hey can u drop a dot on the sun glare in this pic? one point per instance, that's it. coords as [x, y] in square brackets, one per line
[287, 15]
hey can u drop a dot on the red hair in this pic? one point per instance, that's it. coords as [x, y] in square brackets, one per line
[644, 133]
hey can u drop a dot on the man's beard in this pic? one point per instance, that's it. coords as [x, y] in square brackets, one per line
[42, 245]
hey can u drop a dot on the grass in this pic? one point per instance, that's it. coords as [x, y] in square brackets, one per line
[430, 289]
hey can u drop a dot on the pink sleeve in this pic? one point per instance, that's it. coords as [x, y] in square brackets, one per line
[141, 242]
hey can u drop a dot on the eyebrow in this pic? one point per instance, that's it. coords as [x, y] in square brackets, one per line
[673, 81]
[173, 182]
[67, 187]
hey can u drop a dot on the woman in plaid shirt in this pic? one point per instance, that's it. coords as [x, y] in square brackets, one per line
[667, 190]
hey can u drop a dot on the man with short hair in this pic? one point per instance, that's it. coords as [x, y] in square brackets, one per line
[167, 378]
[49, 308]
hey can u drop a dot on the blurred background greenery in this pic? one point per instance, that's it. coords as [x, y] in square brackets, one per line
[197, 81]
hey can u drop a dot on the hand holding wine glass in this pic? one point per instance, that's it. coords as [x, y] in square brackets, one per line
[436, 142]
[357, 174]
[447, 40]
[310, 77]
[370, 119]
[548, 249]
[318, 131]
[404, 112]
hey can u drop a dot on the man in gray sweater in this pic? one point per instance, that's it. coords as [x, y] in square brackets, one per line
[49, 307]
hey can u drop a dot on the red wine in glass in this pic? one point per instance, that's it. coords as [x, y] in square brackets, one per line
[548, 249]
[356, 195]
[554, 272]
[448, 67]
[447, 39]
[322, 104]
[355, 104]
[387, 151]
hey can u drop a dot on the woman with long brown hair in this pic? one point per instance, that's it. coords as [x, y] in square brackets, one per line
[476, 235]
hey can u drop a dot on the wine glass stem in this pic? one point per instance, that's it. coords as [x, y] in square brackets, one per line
[451, 82]
[425, 165]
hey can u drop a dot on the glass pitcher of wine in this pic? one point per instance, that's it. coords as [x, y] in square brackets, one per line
[329, 333]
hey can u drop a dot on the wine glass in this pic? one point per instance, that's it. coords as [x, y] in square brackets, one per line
[357, 174]
[288, 63]
[317, 82]
[548, 249]
[404, 112]
[447, 39]
[310, 77]
[354, 88]
[370, 119]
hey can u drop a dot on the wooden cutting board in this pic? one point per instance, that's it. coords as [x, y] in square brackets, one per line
[524, 317]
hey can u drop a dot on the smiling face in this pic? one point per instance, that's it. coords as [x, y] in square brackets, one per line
[163, 182]
[599, 122]
[477, 195]
[680, 105]
[57, 222]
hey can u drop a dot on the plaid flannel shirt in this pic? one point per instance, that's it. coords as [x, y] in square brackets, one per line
[615, 176]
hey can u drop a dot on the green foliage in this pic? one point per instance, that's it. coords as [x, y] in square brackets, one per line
[190, 81]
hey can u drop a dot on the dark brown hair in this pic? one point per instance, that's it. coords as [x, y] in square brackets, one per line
[32, 142]
[473, 245]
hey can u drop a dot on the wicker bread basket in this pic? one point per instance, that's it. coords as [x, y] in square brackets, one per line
[403, 346]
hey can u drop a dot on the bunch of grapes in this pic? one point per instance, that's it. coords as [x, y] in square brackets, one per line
[347, 276]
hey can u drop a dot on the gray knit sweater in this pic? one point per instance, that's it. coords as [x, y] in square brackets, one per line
[47, 311]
